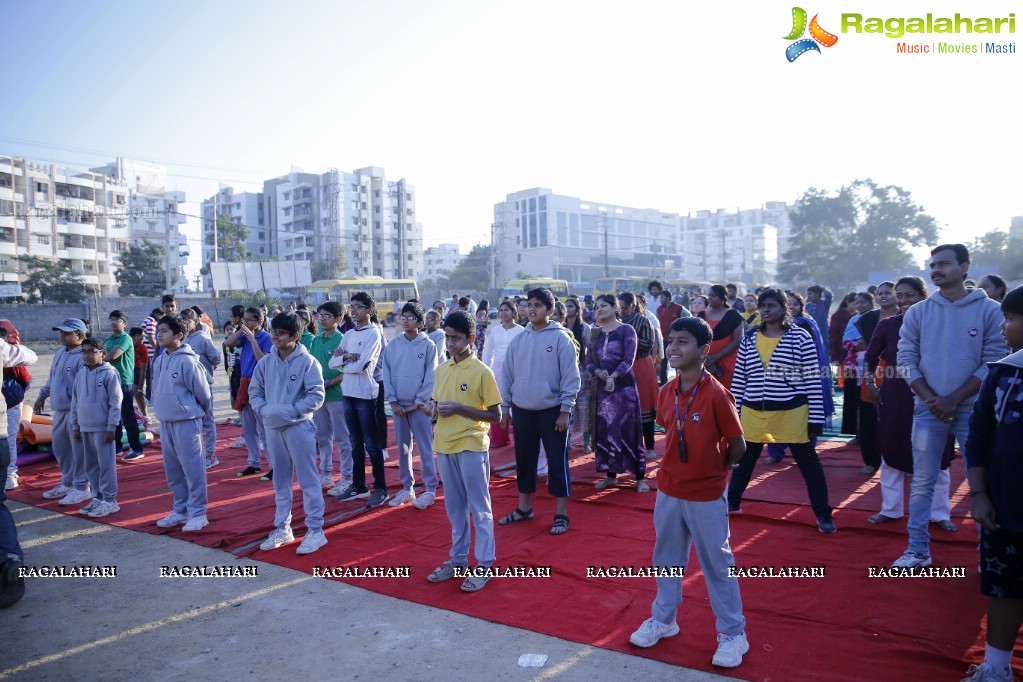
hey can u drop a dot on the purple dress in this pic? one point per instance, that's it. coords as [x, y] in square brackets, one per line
[618, 431]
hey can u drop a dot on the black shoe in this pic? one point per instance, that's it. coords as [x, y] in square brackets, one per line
[12, 585]
[825, 524]
[247, 471]
[269, 476]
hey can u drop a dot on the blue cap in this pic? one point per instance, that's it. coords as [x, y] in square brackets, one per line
[71, 325]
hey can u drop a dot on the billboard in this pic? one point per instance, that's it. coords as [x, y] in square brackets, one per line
[260, 275]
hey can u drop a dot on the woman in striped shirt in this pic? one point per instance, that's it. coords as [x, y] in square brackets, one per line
[777, 389]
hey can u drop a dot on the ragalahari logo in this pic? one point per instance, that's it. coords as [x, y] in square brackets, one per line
[817, 35]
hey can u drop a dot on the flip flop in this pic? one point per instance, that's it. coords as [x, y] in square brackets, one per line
[516, 516]
[560, 526]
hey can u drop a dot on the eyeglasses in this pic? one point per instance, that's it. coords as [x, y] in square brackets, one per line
[92, 350]
[250, 319]
[358, 306]
[407, 318]
[327, 315]
[279, 332]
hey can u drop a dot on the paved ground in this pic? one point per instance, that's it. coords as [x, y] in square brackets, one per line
[138, 625]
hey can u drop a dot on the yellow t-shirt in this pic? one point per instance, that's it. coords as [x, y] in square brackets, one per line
[775, 426]
[472, 384]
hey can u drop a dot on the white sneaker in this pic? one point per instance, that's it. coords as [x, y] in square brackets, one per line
[911, 559]
[240, 443]
[76, 496]
[985, 673]
[386, 456]
[104, 508]
[730, 650]
[57, 493]
[171, 520]
[403, 497]
[326, 480]
[652, 631]
[340, 488]
[196, 523]
[312, 541]
[277, 538]
[212, 463]
[424, 500]
[12, 482]
[89, 507]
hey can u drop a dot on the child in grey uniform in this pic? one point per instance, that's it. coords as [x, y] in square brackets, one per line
[209, 356]
[286, 389]
[181, 396]
[95, 414]
[74, 484]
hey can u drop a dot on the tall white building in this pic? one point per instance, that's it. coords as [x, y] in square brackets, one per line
[77, 218]
[537, 232]
[742, 245]
[243, 208]
[439, 261]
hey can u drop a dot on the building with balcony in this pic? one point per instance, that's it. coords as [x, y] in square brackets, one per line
[439, 261]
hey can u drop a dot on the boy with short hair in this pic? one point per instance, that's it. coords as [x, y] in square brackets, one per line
[120, 355]
[74, 484]
[541, 373]
[704, 439]
[465, 401]
[409, 362]
[209, 357]
[357, 356]
[149, 339]
[141, 368]
[330, 422]
[995, 473]
[181, 398]
[286, 389]
[254, 343]
[96, 403]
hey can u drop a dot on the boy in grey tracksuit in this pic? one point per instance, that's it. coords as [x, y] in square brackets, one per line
[74, 485]
[181, 396]
[286, 389]
[209, 356]
[95, 414]
[409, 362]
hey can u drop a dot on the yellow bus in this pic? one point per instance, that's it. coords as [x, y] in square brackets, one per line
[386, 293]
[616, 285]
[520, 287]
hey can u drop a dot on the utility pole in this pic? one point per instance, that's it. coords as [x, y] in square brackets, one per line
[602, 216]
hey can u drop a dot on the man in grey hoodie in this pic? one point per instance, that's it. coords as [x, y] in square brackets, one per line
[541, 374]
[945, 344]
[286, 389]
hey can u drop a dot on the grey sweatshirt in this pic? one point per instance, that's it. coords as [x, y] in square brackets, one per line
[61, 382]
[409, 367]
[437, 336]
[205, 349]
[286, 392]
[96, 401]
[181, 387]
[541, 369]
[12, 355]
[946, 342]
[366, 342]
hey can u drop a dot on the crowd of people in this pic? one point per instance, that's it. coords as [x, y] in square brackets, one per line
[722, 376]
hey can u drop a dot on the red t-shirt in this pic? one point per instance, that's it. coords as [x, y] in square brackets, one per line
[141, 354]
[712, 419]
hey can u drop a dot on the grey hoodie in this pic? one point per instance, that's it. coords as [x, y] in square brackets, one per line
[946, 342]
[205, 349]
[181, 387]
[541, 369]
[12, 355]
[409, 367]
[61, 382]
[286, 392]
[96, 401]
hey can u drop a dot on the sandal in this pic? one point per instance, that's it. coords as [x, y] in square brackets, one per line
[475, 582]
[516, 516]
[560, 526]
[445, 572]
[605, 483]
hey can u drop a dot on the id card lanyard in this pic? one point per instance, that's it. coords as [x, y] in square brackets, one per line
[681, 420]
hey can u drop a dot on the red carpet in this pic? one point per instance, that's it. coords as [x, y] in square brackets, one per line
[844, 626]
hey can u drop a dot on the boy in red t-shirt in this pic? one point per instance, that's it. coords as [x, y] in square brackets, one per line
[141, 364]
[704, 439]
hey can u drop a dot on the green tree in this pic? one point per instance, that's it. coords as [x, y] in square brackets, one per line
[997, 250]
[839, 237]
[52, 282]
[141, 271]
[231, 238]
[473, 272]
[331, 266]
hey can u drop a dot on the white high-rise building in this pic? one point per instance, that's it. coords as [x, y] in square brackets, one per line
[439, 261]
[733, 246]
[74, 217]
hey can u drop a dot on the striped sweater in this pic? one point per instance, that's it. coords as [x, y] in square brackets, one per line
[791, 378]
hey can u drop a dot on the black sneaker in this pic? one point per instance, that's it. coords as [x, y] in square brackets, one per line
[12, 585]
[377, 498]
[825, 524]
[353, 494]
[247, 471]
[269, 476]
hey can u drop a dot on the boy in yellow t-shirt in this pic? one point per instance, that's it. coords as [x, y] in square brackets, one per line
[465, 400]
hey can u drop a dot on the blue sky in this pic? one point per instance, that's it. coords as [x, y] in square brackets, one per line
[647, 104]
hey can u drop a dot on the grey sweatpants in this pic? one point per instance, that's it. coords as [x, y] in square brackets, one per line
[415, 425]
[292, 453]
[184, 462]
[679, 524]
[69, 452]
[209, 435]
[100, 465]
[331, 428]
[467, 499]
[254, 433]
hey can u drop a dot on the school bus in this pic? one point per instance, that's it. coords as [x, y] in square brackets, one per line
[386, 292]
[519, 287]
